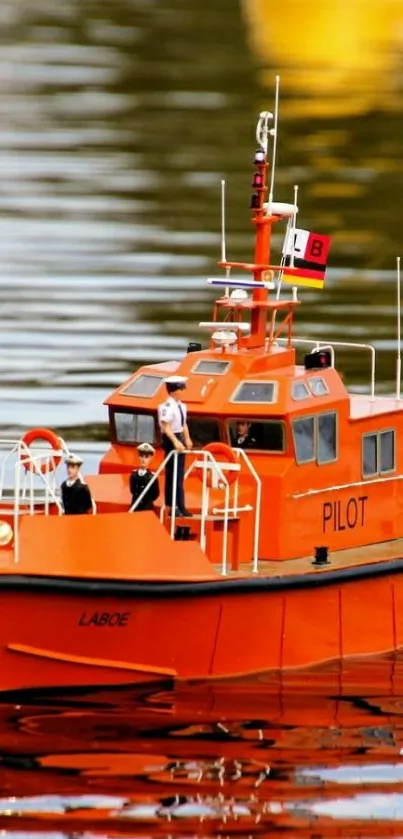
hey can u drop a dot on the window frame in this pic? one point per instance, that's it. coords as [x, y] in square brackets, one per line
[377, 435]
[336, 422]
[210, 361]
[135, 443]
[273, 401]
[263, 420]
[307, 389]
[310, 459]
[383, 431]
[315, 418]
[124, 390]
[322, 380]
[364, 436]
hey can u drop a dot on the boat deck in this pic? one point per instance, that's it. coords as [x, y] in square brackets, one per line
[349, 558]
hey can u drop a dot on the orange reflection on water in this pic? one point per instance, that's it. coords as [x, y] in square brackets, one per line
[319, 748]
[345, 56]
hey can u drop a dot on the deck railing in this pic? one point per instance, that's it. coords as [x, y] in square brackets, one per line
[330, 345]
[213, 471]
[28, 481]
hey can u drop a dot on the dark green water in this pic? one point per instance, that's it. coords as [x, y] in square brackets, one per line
[118, 121]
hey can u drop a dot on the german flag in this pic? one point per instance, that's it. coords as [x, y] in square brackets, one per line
[308, 253]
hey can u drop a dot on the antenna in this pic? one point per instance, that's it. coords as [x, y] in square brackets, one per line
[289, 241]
[223, 248]
[286, 248]
[273, 133]
[293, 226]
[399, 343]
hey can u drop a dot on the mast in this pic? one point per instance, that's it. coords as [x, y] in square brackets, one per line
[263, 221]
[259, 307]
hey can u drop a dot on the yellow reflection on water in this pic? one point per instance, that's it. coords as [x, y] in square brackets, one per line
[345, 55]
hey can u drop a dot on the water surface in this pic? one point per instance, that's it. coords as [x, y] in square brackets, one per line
[118, 121]
[317, 754]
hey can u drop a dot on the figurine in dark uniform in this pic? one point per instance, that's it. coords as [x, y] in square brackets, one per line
[141, 477]
[76, 495]
[242, 438]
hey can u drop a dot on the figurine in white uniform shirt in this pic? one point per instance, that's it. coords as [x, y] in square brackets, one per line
[172, 416]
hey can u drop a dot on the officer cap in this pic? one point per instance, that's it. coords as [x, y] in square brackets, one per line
[176, 382]
[145, 448]
[73, 460]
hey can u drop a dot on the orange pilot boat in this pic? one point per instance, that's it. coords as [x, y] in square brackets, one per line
[293, 555]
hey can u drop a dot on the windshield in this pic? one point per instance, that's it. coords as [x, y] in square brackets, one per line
[203, 431]
[266, 435]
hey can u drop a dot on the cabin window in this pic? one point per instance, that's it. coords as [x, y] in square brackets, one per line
[203, 431]
[134, 428]
[143, 385]
[378, 453]
[318, 386]
[327, 436]
[369, 455]
[299, 391]
[387, 451]
[263, 392]
[315, 438]
[268, 435]
[217, 368]
[303, 430]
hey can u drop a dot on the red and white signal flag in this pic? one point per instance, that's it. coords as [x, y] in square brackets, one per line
[307, 254]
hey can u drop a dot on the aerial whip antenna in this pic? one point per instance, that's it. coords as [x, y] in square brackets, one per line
[289, 243]
[223, 245]
[223, 248]
[399, 341]
[273, 133]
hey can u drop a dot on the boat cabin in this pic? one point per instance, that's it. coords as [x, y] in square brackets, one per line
[324, 458]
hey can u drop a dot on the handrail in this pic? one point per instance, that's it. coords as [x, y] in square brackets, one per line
[363, 483]
[324, 345]
[24, 490]
[24, 459]
[204, 508]
[253, 471]
[43, 476]
[209, 461]
[16, 447]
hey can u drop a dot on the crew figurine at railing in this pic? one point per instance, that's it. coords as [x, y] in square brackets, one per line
[141, 477]
[243, 438]
[76, 495]
[172, 415]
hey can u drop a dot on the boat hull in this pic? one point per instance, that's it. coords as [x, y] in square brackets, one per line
[86, 632]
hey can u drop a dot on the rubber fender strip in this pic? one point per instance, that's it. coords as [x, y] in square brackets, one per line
[93, 662]
[226, 585]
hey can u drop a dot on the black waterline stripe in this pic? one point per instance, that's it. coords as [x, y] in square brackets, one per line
[224, 586]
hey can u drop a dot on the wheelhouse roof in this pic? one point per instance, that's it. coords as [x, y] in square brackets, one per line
[218, 393]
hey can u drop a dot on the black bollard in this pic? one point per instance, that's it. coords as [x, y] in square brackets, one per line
[321, 556]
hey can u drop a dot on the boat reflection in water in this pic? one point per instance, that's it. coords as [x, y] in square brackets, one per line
[321, 749]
